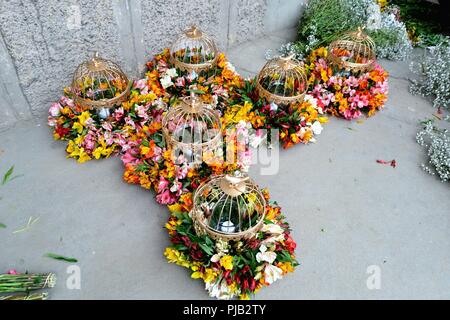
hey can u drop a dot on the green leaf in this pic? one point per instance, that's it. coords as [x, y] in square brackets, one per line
[207, 249]
[58, 257]
[2, 225]
[196, 91]
[7, 175]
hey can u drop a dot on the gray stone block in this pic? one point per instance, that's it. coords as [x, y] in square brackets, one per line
[45, 40]
[46, 45]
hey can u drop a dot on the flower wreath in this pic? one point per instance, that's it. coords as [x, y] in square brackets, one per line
[90, 137]
[344, 93]
[296, 122]
[231, 268]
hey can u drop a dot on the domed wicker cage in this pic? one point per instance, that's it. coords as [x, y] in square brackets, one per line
[228, 207]
[282, 80]
[99, 84]
[194, 50]
[193, 129]
[353, 51]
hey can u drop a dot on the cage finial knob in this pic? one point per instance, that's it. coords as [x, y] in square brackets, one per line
[193, 32]
[96, 58]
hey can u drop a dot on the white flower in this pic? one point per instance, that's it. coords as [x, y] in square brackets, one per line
[272, 228]
[274, 239]
[166, 81]
[273, 106]
[317, 127]
[216, 257]
[172, 72]
[272, 273]
[309, 98]
[219, 290]
[264, 255]
[230, 67]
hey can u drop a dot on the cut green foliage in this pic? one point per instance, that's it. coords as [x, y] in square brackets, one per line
[8, 176]
[26, 282]
[61, 258]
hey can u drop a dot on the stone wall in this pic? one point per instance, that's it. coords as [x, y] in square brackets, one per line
[42, 41]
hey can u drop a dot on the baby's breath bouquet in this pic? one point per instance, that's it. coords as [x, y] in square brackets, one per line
[433, 69]
[437, 142]
[324, 20]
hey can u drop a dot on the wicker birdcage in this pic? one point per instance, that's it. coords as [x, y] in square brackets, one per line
[282, 80]
[353, 51]
[228, 207]
[193, 129]
[99, 84]
[194, 50]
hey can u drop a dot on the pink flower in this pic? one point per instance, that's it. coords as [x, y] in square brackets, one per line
[165, 198]
[107, 126]
[51, 122]
[360, 101]
[130, 122]
[352, 81]
[162, 66]
[118, 114]
[219, 90]
[177, 188]
[142, 111]
[89, 142]
[181, 172]
[129, 158]
[12, 271]
[180, 82]
[66, 101]
[157, 154]
[163, 184]
[55, 109]
[351, 114]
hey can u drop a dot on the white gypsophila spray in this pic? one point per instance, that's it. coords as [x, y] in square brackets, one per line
[433, 69]
[437, 143]
[391, 38]
[324, 20]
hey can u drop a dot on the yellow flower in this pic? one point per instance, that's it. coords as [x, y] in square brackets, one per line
[70, 147]
[78, 126]
[286, 267]
[78, 140]
[83, 117]
[66, 110]
[176, 207]
[83, 156]
[97, 152]
[175, 256]
[209, 275]
[227, 262]
[323, 119]
[144, 150]
[244, 296]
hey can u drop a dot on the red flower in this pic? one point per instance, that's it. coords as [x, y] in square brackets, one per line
[61, 131]
[253, 244]
[245, 284]
[290, 243]
[245, 269]
[187, 242]
[196, 253]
